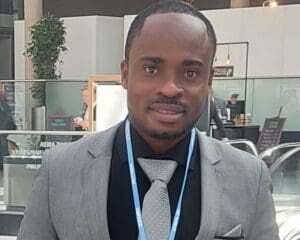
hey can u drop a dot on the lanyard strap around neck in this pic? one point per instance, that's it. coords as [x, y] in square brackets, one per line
[134, 187]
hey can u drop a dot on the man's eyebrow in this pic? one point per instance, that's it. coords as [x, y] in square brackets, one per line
[188, 63]
[155, 60]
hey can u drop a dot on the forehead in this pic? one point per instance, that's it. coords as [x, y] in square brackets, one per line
[172, 31]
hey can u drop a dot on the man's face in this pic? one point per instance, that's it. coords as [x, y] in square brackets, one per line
[233, 100]
[167, 75]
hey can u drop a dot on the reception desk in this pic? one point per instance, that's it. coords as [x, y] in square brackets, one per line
[250, 132]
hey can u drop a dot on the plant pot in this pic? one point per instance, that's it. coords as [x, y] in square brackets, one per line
[39, 118]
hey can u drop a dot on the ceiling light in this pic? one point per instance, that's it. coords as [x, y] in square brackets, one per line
[228, 59]
[270, 3]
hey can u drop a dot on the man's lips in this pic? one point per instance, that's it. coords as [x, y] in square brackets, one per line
[167, 108]
[167, 113]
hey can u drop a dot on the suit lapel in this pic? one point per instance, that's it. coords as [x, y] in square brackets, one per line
[210, 188]
[95, 184]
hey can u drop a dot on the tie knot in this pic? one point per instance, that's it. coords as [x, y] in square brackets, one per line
[158, 169]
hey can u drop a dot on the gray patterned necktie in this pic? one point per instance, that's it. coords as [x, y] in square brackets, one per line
[156, 213]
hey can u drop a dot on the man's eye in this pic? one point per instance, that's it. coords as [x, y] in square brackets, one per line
[190, 74]
[151, 69]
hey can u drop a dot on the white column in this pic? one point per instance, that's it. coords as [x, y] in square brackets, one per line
[32, 14]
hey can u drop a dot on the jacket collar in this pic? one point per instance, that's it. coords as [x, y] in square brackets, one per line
[208, 149]
[101, 143]
[210, 187]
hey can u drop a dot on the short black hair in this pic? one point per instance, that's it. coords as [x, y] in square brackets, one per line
[168, 6]
[235, 95]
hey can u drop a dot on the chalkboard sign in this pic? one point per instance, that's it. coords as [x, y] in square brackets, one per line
[271, 133]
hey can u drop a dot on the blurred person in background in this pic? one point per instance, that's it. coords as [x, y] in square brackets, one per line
[6, 123]
[82, 122]
[216, 117]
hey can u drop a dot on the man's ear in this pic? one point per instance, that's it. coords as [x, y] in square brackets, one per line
[124, 73]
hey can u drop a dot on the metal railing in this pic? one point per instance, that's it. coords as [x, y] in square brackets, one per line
[246, 142]
[47, 133]
[271, 155]
[31, 142]
[283, 158]
[270, 151]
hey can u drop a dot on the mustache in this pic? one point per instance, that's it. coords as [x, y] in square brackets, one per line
[168, 100]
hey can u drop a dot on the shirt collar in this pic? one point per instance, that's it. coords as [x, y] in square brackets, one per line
[141, 149]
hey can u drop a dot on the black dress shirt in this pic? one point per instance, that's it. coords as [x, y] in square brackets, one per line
[120, 210]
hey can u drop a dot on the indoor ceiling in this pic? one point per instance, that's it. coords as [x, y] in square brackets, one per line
[68, 8]
[258, 3]
[222, 4]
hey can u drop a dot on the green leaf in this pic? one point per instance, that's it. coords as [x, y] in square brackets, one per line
[46, 45]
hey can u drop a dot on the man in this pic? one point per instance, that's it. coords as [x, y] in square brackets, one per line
[220, 103]
[86, 190]
[216, 122]
[82, 122]
[236, 107]
[233, 98]
[215, 118]
[6, 123]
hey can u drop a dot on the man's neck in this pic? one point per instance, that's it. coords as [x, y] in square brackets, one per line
[159, 145]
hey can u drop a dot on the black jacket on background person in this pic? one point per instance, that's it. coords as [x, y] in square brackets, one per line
[6, 123]
[215, 117]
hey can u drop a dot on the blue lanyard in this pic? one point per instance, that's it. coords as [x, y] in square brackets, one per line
[135, 193]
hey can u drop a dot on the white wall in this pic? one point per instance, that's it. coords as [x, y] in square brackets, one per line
[110, 45]
[81, 41]
[19, 50]
[94, 43]
[291, 40]
[272, 34]
[128, 19]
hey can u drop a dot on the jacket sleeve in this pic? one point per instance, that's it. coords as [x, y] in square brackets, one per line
[37, 223]
[264, 226]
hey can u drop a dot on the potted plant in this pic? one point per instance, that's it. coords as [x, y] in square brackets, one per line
[46, 45]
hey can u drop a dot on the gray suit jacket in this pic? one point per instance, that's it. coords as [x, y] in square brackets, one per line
[69, 198]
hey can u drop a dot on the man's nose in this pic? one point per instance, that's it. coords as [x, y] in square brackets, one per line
[171, 86]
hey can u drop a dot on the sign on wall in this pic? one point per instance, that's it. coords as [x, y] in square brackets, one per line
[223, 71]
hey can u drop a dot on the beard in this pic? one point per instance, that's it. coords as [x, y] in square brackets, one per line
[162, 135]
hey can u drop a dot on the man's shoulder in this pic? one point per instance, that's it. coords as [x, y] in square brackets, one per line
[230, 157]
[83, 149]
[234, 166]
